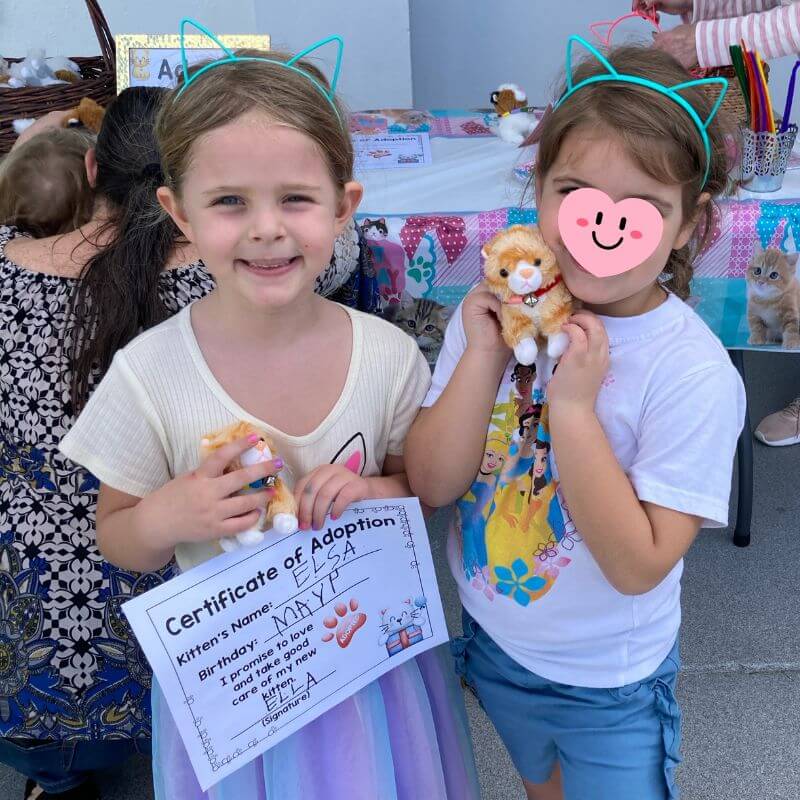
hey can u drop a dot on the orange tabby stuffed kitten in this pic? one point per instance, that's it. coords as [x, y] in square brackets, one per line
[773, 298]
[280, 512]
[522, 271]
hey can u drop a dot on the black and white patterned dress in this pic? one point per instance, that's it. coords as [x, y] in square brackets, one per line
[69, 666]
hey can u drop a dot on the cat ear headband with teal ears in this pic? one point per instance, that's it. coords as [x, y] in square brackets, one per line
[668, 91]
[232, 58]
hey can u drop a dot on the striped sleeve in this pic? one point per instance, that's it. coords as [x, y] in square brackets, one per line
[719, 9]
[770, 27]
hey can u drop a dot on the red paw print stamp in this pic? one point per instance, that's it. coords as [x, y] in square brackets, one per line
[343, 626]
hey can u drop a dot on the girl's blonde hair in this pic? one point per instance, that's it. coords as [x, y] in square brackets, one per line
[655, 132]
[229, 91]
[44, 189]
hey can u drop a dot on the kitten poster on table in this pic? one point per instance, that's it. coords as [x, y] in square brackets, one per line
[252, 645]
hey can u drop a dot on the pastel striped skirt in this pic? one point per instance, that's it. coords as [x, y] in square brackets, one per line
[402, 737]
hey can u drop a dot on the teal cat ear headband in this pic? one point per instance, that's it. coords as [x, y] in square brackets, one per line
[668, 91]
[232, 58]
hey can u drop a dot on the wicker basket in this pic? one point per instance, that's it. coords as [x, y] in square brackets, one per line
[98, 82]
[733, 106]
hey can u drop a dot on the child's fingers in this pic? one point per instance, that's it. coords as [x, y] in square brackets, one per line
[242, 478]
[234, 525]
[215, 464]
[482, 299]
[325, 497]
[593, 328]
[349, 494]
[304, 493]
[487, 298]
[586, 320]
[317, 475]
[244, 503]
[578, 340]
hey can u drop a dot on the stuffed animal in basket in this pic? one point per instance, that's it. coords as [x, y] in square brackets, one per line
[280, 513]
[521, 270]
[514, 124]
[88, 114]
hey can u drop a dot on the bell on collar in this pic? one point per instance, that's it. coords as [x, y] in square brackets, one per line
[530, 300]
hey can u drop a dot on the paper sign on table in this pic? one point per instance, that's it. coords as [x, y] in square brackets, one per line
[392, 150]
[253, 645]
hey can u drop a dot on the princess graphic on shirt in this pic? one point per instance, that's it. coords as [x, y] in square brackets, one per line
[475, 506]
[523, 377]
[511, 519]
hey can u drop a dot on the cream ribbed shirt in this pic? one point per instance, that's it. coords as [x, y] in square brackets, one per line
[143, 424]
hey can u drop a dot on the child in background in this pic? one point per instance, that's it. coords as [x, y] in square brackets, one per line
[570, 573]
[258, 176]
[44, 189]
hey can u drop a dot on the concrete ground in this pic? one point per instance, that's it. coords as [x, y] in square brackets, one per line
[740, 644]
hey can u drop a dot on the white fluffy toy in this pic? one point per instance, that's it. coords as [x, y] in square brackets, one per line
[514, 124]
[36, 70]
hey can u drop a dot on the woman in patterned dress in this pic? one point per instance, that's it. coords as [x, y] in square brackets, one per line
[74, 685]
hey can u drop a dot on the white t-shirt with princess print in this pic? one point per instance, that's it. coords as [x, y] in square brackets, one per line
[672, 406]
[144, 423]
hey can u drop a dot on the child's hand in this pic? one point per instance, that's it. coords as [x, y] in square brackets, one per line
[203, 505]
[580, 372]
[327, 489]
[481, 316]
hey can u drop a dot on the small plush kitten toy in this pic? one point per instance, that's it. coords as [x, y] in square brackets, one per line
[773, 298]
[280, 513]
[514, 124]
[521, 270]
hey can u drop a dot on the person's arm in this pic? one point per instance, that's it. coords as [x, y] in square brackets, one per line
[445, 444]
[638, 525]
[120, 536]
[702, 10]
[771, 28]
[768, 26]
[697, 10]
[53, 119]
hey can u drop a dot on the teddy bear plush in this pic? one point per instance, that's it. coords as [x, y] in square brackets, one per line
[514, 124]
[521, 270]
[280, 512]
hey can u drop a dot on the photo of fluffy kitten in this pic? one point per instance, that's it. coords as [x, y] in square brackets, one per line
[773, 298]
[423, 320]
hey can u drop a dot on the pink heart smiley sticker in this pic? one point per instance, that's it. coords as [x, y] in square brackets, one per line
[608, 238]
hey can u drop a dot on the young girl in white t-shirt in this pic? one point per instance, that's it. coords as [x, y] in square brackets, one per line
[568, 550]
[258, 164]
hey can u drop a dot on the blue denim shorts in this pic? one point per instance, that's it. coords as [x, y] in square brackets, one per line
[622, 743]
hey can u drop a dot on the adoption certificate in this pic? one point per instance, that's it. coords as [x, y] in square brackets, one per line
[254, 644]
[391, 150]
